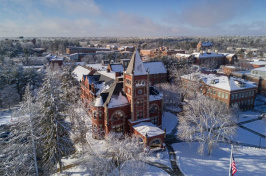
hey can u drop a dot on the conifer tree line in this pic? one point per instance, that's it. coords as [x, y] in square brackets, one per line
[40, 132]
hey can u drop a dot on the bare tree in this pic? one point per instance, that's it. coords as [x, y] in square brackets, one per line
[171, 95]
[207, 121]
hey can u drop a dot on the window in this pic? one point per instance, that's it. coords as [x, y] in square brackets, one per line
[249, 94]
[243, 95]
[100, 115]
[118, 128]
[232, 96]
[226, 96]
[235, 96]
[222, 95]
[214, 92]
[251, 101]
[140, 102]
[248, 101]
[140, 115]
[118, 115]
[246, 94]
[94, 115]
[154, 120]
[252, 93]
[128, 90]
[219, 94]
[153, 109]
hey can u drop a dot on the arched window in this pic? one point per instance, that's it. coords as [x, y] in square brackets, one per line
[140, 102]
[154, 109]
[118, 115]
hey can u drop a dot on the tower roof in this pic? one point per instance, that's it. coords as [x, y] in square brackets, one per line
[135, 65]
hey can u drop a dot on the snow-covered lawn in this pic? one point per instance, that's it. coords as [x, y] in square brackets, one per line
[249, 161]
[169, 121]
[247, 137]
[5, 115]
[160, 157]
[258, 126]
[248, 115]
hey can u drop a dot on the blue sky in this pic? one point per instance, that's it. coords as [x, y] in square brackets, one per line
[140, 18]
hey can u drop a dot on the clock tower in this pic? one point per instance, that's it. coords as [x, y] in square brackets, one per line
[136, 87]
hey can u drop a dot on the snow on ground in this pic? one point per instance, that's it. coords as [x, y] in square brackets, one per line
[5, 115]
[160, 157]
[248, 115]
[169, 121]
[154, 171]
[258, 126]
[249, 161]
[247, 137]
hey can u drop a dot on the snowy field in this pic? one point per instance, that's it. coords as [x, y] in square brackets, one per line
[5, 115]
[248, 115]
[247, 137]
[258, 126]
[249, 161]
[169, 121]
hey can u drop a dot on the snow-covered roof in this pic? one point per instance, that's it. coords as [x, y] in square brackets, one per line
[229, 66]
[117, 67]
[260, 69]
[206, 44]
[228, 54]
[258, 63]
[98, 102]
[222, 82]
[108, 74]
[155, 67]
[205, 55]
[154, 94]
[97, 66]
[183, 55]
[148, 128]
[117, 101]
[79, 71]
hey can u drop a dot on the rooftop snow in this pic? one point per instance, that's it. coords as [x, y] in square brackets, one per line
[79, 71]
[155, 67]
[258, 63]
[117, 101]
[222, 82]
[108, 74]
[98, 101]
[148, 128]
[204, 55]
[260, 69]
[98, 67]
[117, 68]
[136, 65]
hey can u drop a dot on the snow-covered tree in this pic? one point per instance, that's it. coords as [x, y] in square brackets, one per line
[9, 96]
[21, 151]
[127, 154]
[53, 129]
[206, 121]
[171, 95]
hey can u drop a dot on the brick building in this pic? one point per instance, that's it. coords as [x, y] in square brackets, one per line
[225, 89]
[204, 46]
[213, 59]
[71, 50]
[124, 104]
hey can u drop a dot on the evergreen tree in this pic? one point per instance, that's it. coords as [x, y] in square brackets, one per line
[53, 129]
[21, 150]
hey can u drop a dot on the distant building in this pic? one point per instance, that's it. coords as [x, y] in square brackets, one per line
[204, 46]
[189, 58]
[258, 64]
[213, 59]
[127, 48]
[228, 69]
[71, 50]
[259, 72]
[226, 89]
